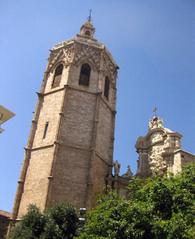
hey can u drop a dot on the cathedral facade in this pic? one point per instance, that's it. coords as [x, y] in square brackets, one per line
[160, 151]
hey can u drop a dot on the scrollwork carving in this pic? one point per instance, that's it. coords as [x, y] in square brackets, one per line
[64, 55]
[88, 52]
[107, 65]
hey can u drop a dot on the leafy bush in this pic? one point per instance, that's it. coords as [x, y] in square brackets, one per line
[58, 222]
[157, 208]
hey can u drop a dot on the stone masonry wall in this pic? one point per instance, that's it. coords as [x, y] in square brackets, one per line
[78, 121]
[70, 176]
[100, 171]
[50, 110]
[36, 183]
[72, 164]
[105, 132]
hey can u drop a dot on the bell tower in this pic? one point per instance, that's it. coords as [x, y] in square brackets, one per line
[69, 153]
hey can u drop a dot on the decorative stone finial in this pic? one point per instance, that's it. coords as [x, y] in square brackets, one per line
[155, 122]
[129, 172]
[87, 29]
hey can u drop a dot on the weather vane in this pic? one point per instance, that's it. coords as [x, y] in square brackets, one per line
[89, 17]
[155, 111]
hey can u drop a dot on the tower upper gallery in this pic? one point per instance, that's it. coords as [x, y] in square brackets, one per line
[82, 49]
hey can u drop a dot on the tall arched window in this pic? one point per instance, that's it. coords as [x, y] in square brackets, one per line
[57, 76]
[106, 87]
[85, 75]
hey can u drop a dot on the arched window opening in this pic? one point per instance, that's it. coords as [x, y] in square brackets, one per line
[106, 87]
[57, 76]
[85, 75]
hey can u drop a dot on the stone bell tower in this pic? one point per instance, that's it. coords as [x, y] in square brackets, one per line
[69, 153]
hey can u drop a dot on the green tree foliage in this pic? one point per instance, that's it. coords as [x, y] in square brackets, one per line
[58, 222]
[157, 208]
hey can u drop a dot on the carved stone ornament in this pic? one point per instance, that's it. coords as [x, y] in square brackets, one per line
[117, 167]
[129, 172]
[87, 52]
[156, 137]
[64, 55]
[156, 160]
[155, 122]
[107, 64]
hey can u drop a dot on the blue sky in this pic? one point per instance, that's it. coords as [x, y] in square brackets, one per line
[153, 42]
